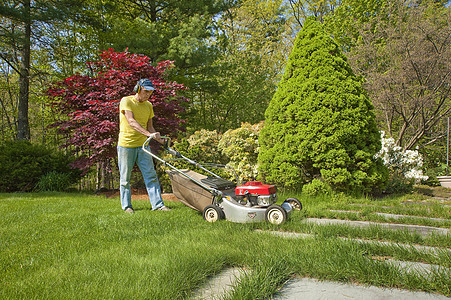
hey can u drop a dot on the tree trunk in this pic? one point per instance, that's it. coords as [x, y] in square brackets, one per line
[102, 176]
[23, 130]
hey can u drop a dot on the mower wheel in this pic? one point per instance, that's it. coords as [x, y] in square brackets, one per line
[275, 214]
[213, 213]
[295, 203]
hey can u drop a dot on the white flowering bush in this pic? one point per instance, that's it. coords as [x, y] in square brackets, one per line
[405, 167]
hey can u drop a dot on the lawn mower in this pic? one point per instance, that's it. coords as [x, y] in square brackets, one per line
[217, 198]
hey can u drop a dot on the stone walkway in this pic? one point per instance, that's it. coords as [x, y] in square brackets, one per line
[422, 230]
[393, 216]
[313, 289]
[432, 250]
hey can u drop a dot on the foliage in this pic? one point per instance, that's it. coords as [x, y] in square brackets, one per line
[181, 31]
[241, 147]
[432, 174]
[237, 148]
[8, 102]
[201, 147]
[434, 161]
[54, 181]
[347, 19]
[67, 33]
[164, 30]
[405, 56]
[240, 92]
[22, 165]
[302, 9]
[316, 188]
[320, 122]
[24, 30]
[90, 103]
[251, 41]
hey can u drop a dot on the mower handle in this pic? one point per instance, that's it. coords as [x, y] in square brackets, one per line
[166, 144]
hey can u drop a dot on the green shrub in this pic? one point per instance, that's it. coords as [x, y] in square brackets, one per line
[241, 148]
[54, 181]
[433, 173]
[22, 164]
[320, 122]
[434, 165]
[237, 148]
[432, 179]
[316, 188]
[201, 147]
[398, 185]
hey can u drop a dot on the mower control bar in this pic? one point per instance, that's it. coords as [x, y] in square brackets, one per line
[213, 191]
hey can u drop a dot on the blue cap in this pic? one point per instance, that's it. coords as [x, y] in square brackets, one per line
[146, 84]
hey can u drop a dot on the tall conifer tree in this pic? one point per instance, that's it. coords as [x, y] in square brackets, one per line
[320, 122]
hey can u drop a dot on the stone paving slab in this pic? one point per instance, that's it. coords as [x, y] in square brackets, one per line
[422, 230]
[392, 216]
[416, 267]
[293, 235]
[313, 289]
[444, 203]
[395, 216]
[219, 285]
[385, 207]
[431, 250]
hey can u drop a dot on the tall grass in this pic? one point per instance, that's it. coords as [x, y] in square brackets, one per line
[55, 245]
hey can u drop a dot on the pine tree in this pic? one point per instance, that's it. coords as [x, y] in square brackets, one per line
[320, 123]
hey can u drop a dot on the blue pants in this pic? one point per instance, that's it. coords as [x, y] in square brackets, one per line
[127, 157]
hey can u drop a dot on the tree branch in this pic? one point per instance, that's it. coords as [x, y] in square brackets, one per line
[9, 63]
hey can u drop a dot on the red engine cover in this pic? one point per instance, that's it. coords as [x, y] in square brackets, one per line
[255, 188]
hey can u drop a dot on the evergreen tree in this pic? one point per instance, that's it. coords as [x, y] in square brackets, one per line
[320, 122]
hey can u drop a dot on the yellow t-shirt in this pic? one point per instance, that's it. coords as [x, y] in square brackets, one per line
[142, 112]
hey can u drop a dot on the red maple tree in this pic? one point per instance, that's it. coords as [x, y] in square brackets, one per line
[89, 104]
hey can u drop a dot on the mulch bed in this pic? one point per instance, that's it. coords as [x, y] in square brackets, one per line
[138, 194]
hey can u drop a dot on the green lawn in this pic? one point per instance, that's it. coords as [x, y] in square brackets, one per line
[83, 246]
